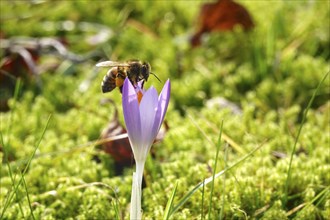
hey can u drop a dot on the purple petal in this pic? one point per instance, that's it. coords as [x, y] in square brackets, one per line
[131, 115]
[139, 87]
[163, 101]
[148, 108]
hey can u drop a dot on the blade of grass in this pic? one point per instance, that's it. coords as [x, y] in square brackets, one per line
[288, 179]
[324, 193]
[224, 184]
[169, 204]
[225, 137]
[28, 197]
[203, 192]
[214, 170]
[207, 137]
[24, 171]
[185, 198]
[10, 118]
[321, 196]
[6, 145]
[115, 206]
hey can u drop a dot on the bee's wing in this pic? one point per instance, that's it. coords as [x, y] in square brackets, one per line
[112, 64]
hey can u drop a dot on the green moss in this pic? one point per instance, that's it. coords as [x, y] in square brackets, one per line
[275, 212]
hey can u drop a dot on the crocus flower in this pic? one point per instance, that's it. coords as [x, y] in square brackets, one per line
[144, 112]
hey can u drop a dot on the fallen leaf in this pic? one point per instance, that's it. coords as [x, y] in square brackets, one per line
[222, 15]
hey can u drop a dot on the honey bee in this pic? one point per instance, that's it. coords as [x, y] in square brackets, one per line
[135, 70]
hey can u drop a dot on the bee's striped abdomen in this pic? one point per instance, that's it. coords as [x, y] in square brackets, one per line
[109, 80]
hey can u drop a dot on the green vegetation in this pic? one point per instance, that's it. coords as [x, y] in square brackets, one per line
[52, 168]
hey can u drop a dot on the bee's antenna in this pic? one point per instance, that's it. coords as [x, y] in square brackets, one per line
[156, 77]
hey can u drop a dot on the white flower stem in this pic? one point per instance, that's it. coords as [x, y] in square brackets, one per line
[136, 196]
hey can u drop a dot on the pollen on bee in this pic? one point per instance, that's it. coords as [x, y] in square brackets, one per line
[139, 96]
[119, 82]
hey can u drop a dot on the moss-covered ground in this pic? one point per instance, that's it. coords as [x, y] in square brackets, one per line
[51, 167]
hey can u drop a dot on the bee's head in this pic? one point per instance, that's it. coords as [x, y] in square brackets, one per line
[146, 68]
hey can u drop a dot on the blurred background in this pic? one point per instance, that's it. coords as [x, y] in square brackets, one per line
[243, 47]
